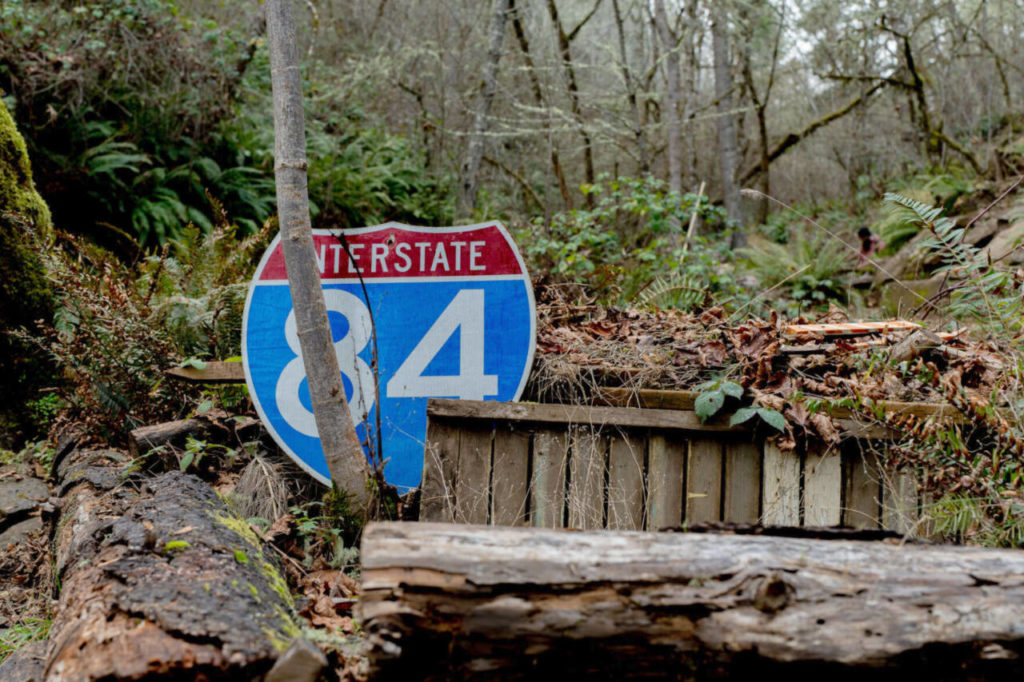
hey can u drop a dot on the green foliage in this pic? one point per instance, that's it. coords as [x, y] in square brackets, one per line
[128, 124]
[988, 293]
[771, 417]
[17, 190]
[711, 397]
[628, 244]
[195, 288]
[17, 635]
[807, 271]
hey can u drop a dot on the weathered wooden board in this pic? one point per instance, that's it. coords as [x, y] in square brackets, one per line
[863, 488]
[510, 477]
[626, 483]
[823, 487]
[704, 481]
[441, 458]
[548, 485]
[473, 477]
[666, 466]
[781, 487]
[742, 484]
[520, 465]
[212, 373]
[586, 478]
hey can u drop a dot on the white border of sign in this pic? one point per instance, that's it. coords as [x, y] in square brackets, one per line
[371, 280]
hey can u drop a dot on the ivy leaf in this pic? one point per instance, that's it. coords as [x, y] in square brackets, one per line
[743, 414]
[772, 418]
[186, 459]
[731, 388]
[204, 407]
[709, 403]
[194, 362]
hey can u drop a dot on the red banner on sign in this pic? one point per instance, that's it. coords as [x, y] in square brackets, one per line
[402, 251]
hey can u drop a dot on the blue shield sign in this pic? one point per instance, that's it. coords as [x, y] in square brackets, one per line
[454, 317]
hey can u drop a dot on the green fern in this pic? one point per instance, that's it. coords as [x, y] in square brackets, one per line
[985, 292]
[677, 290]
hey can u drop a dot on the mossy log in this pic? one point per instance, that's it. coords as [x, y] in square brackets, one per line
[159, 580]
[470, 602]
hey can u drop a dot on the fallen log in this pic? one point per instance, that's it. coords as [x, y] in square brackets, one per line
[462, 602]
[159, 580]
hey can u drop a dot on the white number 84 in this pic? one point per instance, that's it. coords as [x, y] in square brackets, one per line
[465, 313]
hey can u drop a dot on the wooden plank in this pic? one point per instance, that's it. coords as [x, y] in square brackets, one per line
[863, 491]
[899, 502]
[823, 487]
[473, 480]
[684, 400]
[742, 502]
[781, 486]
[704, 481]
[586, 479]
[440, 460]
[665, 467]
[576, 414]
[626, 483]
[547, 491]
[510, 477]
[212, 373]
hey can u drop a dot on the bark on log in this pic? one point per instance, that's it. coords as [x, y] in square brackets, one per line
[159, 581]
[468, 602]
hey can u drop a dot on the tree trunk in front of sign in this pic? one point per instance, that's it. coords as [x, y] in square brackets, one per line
[458, 602]
[342, 449]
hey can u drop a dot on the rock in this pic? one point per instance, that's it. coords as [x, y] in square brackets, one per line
[25, 664]
[17, 496]
[17, 532]
[302, 662]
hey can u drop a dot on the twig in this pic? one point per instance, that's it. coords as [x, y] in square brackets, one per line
[693, 220]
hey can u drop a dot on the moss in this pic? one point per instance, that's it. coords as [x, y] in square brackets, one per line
[274, 578]
[17, 190]
[25, 292]
[176, 546]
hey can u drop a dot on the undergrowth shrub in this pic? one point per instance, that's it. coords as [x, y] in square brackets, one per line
[973, 469]
[630, 241]
[117, 328]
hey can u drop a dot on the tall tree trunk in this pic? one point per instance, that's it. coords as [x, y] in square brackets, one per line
[538, 96]
[671, 109]
[564, 51]
[344, 453]
[631, 87]
[481, 125]
[727, 139]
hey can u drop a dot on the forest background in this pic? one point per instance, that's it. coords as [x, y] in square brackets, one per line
[664, 153]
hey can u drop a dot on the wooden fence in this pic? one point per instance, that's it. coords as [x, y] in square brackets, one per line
[593, 467]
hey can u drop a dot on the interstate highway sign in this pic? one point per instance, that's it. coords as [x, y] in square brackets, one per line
[454, 315]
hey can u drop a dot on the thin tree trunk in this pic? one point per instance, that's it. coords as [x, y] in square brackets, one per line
[538, 96]
[564, 51]
[634, 107]
[481, 125]
[727, 138]
[345, 458]
[671, 109]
